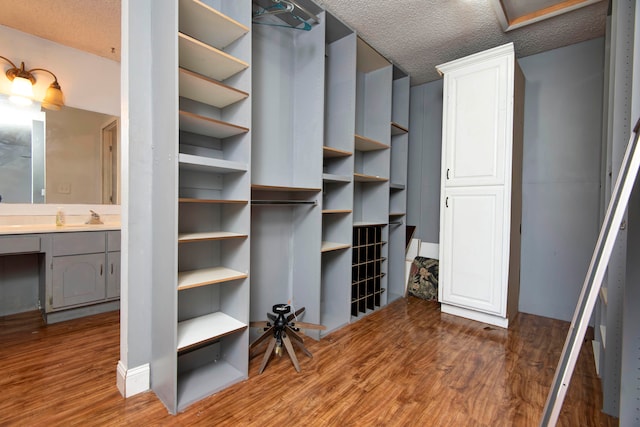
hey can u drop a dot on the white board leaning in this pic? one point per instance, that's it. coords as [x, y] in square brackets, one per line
[593, 281]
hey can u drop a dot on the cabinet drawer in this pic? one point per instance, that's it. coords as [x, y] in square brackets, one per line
[113, 241]
[79, 243]
[19, 244]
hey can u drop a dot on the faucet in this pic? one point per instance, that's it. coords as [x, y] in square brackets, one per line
[95, 218]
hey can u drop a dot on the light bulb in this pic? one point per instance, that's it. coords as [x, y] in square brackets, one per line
[21, 91]
[22, 87]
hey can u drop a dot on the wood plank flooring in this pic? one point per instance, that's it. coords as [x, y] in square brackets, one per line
[406, 365]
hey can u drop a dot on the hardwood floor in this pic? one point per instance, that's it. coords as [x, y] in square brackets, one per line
[405, 365]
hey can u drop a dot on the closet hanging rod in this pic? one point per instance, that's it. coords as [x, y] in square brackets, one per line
[286, 6]
[285, 202]
[311, 16]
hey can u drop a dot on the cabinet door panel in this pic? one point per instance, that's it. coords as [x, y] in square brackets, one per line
[475, 124]
[113, 274]
[472, 253]
[78, 279]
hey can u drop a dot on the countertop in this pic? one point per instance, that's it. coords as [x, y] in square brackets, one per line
[52, 228]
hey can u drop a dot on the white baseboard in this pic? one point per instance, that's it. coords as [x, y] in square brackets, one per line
[132, 381]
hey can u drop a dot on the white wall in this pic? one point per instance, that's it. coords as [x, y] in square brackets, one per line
[561, 172]
[88, 81]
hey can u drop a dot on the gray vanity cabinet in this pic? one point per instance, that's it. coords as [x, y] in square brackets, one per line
[85, 268]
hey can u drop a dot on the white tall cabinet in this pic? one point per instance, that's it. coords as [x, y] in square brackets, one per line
[481, 180]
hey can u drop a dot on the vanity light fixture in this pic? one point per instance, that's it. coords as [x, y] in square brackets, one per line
[22, 87]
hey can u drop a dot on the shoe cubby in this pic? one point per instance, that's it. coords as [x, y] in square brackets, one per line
[368, 283]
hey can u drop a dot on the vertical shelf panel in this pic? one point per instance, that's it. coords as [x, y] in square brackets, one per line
[212, 281]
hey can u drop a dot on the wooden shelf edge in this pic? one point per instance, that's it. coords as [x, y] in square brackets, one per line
[204, 119]
[212, 201]
[398, 129]
[211, 235]
[363, 143]
[360, 177]
[332, 246]
[207, 276]
[336, 211]
[212, 49]
[329, 152]
[259, 187]
[368, 224]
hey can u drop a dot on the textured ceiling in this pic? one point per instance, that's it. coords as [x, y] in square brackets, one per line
[416, 35]
[89, 25]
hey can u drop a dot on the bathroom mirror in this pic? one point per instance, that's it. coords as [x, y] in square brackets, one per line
[69, 156]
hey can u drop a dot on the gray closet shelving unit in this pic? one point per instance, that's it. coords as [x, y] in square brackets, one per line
[282, 149]
[201, 330]
[398, 182]
[325, 106]
[337, 172]
[372, 171]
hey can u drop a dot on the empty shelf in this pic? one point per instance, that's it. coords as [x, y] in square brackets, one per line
[258, 187]
[208, 25]
[367, 223]
[329, 177]
[393, 186]
[201, 382]
[208, 164]
[207, 276]
[208, 235]
[206, 328]
[367, 144]
[206, 60]
[202, 125]
[398, 129]
[396, 214]
[208, 91]
[221, 201]
[331, 246]
[360, 177]
[336, 211]
[334, 152]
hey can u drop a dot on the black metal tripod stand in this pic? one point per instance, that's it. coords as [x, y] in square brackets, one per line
[281, 329]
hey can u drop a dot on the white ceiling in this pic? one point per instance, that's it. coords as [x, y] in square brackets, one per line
[416, 35]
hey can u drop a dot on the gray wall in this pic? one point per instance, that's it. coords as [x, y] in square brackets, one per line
[561, 175]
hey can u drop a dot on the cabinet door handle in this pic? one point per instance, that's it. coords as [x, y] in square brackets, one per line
[111, 268]
[101, 268]
[447, 173]
[446, 201]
